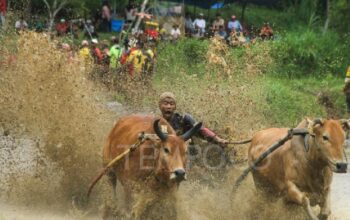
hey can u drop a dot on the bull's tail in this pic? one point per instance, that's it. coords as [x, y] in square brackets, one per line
[95, 180]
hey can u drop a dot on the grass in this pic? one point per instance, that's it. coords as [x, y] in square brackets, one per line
[276, 99]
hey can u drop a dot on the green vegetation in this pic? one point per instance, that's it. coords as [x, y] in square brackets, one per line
[298, 75]
[306, 52]
[278, 82]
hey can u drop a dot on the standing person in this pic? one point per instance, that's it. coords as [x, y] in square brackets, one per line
[115, 52]
[234, 25]
[3, 8]
[96, 52]
[84, 52]
[105, 53]
[137, 59]
[199, 24]
[346, 90]
[130, 13]
[175, 33]
[62, 28]
[106, 16]
[184, 122]
[189, 27]
[90, 29]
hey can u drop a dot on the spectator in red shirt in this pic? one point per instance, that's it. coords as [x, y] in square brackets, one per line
[2, 12]
[62, 28]
[96, 52]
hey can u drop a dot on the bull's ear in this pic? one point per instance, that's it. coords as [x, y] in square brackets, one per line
[308, 120]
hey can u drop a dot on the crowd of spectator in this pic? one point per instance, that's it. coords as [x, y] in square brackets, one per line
[231, 31]
[135, 51]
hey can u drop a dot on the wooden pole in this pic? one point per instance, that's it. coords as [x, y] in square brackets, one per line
[138, 22]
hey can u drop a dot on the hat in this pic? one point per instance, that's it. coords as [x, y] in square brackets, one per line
[233, 17]
[165, 95]
[201, 14]
[88, 21]
[94, 41]
[84, 43]
[62, 20]
[65, 46]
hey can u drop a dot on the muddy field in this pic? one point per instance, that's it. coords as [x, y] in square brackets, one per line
[53, 121]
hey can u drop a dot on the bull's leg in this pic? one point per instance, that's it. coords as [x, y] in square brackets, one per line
[295, 195]
[142, 201]
[325, 203]
[112, 177]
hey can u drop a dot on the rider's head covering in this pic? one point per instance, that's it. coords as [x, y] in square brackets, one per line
[165, 95]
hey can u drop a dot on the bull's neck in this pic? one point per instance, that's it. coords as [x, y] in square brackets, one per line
[314, 156]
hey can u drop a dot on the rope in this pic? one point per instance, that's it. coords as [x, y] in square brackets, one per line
[142, 137]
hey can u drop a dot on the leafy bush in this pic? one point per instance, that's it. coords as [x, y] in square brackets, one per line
[306, 52]
[194, 51]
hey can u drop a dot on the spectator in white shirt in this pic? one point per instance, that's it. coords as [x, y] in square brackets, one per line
[130, 13]
[21, 24]
[199, 24]
[175, 33]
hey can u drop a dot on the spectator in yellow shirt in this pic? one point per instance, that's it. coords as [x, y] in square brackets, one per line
[346, 90]
[137, 59]
[84, 52]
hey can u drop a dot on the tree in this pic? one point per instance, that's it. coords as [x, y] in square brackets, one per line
[326, 24]
[340, 15]
[53, 7]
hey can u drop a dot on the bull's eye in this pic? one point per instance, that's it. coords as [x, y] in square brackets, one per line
[166, 150]
[325, 138]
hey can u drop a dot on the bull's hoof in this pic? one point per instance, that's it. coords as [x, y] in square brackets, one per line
[322, 216]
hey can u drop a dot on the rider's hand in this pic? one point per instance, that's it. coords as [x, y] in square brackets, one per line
[222, 142]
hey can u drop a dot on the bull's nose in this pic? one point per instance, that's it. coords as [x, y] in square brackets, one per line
[180, 174]
[341, 167]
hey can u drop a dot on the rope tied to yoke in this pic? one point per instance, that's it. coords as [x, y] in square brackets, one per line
[142, 137]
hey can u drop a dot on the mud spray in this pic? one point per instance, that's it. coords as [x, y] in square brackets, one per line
[53, 125]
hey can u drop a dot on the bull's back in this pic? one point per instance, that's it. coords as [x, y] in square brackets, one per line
[262, 140]
[271, 169]
[125, 133]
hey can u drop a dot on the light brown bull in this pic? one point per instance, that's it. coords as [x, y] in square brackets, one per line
[155, 168]
[303, 167]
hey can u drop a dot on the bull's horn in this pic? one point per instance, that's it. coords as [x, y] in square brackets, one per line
[193, 130]
[159, 133]
[318, 121]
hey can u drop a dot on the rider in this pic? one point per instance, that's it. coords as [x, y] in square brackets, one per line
[184, 122]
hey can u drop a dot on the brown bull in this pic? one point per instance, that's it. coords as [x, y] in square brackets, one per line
[302, 168]
[155, 168]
